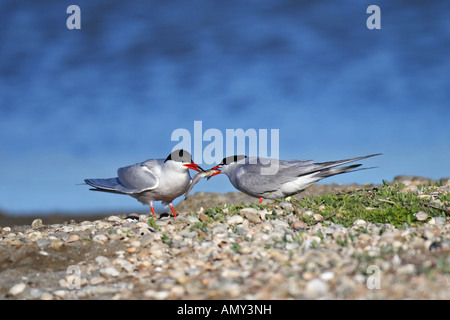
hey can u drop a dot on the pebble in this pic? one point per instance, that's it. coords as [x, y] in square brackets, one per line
[316, 288]
[327, 276]
[287, 206]
[43, 242]
[236, 219]
[35, 293]
[97, 280]
[437, 220]
[256, 254]
[146, 240]
[421, 216]
[114, 219]
[360, 223]
[251, 214]
[299, 225]
[36, 224]
[109, 272]
[317, 217]
[73, 238]
[100, 238]
[203, 217]
[17, 289]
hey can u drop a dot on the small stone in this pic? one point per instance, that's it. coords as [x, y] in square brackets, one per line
[192, 219]
[236, 219]
[203, 217]
[135, 243]
[36, 224]
[311, 242]
[421, 216]
[109, 271]
[316, 288]
[17, 289]
[360, 223]
[97, 280]
[43, 243]
[406, 269]
[114, 236]
[292, 245]
[102, 261]
[146, 240]
[7, 229]
[46, 296]
[35, 293]
[287, 206]
[327, 276]
[124, 264]
[365, 237]
[220, 229]
[60, 293]
[317, 217]
[299, 225]
[264, 213]
[251, 214]
[100, 238]
[114, 219]
[307, 275]
[437, 220]
[73, 238]
[158, 295]
[131, 249]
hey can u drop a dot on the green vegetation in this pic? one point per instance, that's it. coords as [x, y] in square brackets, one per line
[388, 203]
[384, 204]
[152, 223]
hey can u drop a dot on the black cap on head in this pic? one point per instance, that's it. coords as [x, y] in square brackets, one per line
[232, 159]
[180, 155]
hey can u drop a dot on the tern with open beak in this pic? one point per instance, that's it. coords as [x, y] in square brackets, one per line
[152, 180]
[289, 178]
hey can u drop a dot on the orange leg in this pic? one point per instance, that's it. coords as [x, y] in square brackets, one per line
[153, 210]
[171, 208]
[260, 200]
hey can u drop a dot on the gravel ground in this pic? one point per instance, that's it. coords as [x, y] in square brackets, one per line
[256, 254]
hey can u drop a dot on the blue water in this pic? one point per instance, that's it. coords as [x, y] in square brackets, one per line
[78, 104]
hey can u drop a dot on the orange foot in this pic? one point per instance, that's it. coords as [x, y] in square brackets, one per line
[171, 208]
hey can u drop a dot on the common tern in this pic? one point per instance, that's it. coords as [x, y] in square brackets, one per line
[291, 177]
[152, 180]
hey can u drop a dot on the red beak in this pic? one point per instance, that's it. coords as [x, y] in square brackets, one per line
[215, 168]
[216, 173]
[193, 166]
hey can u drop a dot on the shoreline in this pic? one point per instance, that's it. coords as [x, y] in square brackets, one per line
[272, 251]
[204, 200]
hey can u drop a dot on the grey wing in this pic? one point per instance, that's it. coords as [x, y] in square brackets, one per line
[268, 175]
[138, 177]
[252, 180]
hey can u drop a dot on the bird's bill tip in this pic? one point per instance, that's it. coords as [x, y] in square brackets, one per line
[193, 166]
[216, 173]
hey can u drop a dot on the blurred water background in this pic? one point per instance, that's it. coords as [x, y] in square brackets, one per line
[78, 104]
